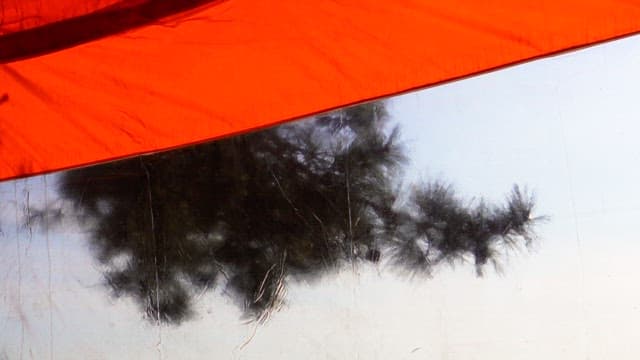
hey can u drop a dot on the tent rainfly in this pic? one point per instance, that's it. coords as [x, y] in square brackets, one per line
[87, 81]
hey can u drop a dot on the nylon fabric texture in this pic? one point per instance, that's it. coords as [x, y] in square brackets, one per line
[156, 79]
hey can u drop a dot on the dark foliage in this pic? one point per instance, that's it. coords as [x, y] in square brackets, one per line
[251, 212]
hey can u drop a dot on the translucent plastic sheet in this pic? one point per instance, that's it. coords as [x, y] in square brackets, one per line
[290, 243]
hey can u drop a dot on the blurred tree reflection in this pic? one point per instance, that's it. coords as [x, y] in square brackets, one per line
[251, 212]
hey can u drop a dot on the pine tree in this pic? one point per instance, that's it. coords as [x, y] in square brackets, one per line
[256, 211]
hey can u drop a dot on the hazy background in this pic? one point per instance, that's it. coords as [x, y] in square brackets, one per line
[566, 126]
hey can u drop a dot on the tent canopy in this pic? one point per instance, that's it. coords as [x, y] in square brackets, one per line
[86, 81]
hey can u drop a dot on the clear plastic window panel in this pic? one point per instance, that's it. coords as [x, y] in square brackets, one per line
[488, 218]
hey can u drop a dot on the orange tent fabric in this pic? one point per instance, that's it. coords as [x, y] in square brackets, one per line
[208, 69]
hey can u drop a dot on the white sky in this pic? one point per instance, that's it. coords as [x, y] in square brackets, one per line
[565, 126]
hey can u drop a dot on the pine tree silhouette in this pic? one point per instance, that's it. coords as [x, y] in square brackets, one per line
[253, 212]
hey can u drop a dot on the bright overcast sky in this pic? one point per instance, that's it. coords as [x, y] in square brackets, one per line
[567, 127]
